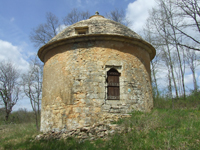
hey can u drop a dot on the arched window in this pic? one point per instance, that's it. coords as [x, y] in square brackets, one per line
[113, 92]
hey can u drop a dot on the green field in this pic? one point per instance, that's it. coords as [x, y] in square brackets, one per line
[162, 128]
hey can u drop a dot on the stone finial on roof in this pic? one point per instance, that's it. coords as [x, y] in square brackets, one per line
[97, 13]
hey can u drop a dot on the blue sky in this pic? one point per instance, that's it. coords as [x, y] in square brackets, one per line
[19, 17]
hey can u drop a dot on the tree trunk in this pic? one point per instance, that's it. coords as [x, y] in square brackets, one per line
[179, 59]
[170, 84]
[36, 121]
[194, 80]
[172, 70]
[7, 116]
[154, 79]
[170, 88]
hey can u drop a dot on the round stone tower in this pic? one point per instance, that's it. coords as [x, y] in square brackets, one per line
[94, 69]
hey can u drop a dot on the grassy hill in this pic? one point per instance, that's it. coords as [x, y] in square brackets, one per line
[162, 128]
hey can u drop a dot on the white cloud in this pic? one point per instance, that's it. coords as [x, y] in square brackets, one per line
[198, 80]
[23, 104]
[161, 76]
[9, 52]
[137, 12]
[111, 1]
[189, 79]
[61, 28]
[79, 3]
[12, 19]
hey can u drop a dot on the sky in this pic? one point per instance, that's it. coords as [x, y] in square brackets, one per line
[19, 17]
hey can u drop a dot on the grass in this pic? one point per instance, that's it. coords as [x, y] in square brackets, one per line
[14, 136]
[17, 117]
[162, 128]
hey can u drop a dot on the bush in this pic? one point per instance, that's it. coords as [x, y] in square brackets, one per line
[191, 101]
[20, 116]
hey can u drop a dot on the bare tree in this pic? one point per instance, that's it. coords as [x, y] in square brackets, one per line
[174, 24]
[149, 36]
[154, 72]
[189, 12]
[32, 85]
[158, 20]
[46, 31]
[118, 15]
[171, 19]
[75, 16]
[192, 60]
[9, 86]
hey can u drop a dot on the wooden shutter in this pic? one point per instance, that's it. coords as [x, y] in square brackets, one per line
[113, 85]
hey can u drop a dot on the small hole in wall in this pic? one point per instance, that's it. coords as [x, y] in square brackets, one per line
[81, 30]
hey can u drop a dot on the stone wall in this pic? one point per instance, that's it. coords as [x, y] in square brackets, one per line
[74, 85]
[101, 130]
